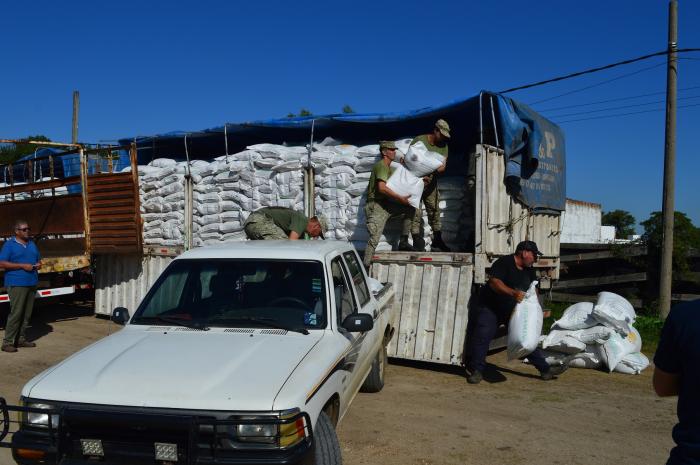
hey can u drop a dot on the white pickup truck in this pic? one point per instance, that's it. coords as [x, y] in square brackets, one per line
[245, 353]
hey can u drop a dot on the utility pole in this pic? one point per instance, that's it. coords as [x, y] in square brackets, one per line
[668, 208]
[76, 108]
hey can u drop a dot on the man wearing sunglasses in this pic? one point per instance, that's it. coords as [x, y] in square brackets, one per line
[20, 259]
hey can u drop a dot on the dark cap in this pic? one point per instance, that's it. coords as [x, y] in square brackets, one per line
[529, 245]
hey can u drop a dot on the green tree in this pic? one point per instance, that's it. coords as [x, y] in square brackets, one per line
[685, 237]
[622, 220]
[348, 109]
[11, 152]
[305, 112]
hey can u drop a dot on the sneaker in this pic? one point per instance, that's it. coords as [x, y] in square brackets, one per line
[26, 344]
[553, 371]
[475, 378]
[9, 348]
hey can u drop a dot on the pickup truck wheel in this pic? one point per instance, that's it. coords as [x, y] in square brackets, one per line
[327, 448]
[375, 379]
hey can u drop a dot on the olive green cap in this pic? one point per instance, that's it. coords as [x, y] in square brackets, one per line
[444, 128]
[387, 144]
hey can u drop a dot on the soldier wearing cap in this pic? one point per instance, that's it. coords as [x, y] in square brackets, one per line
[271, 223]
[436, 141]
[383, 203]
[510, 277]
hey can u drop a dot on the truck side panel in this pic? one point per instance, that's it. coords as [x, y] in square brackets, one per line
[431, 303]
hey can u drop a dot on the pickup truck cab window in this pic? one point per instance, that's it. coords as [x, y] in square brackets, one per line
[342, 290]
[358, 277]
[238, 293]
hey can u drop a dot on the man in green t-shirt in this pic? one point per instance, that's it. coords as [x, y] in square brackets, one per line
[436, 142]
[270, 223]
[383, 203]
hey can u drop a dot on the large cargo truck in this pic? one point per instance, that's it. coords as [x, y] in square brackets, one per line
[512, 164]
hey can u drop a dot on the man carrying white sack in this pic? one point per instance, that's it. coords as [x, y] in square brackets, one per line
[383, 203]
[436, 142]
[275, 223]
[510, 277]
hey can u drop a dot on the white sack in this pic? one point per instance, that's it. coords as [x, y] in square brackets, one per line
[594, 335]
[421, 161]
[614, 311]
[563, 341]
[163, 163]
[617, 347]
[633, 364]
[577, 316]
[590, 358]
[525, 325]
[403, 182]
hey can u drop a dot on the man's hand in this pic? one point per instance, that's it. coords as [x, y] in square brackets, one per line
[426, 180]
[518, 295]
[37, 265]
[27, 267]
[405, 199]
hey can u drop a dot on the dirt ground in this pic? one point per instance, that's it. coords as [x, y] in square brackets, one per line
[428, 414]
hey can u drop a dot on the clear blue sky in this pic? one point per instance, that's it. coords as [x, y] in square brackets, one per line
[149, 67]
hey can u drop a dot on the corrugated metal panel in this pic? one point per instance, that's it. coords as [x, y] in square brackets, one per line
[123, 280]
[502, 222]
[430, 306]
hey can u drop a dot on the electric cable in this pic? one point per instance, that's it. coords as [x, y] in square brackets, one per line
[625, 114]
[614, 99]
[619, 107]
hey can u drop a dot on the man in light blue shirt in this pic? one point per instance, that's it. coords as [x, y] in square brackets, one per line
[21, 261]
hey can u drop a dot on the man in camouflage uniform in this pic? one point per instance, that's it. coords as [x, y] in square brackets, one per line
[271, 223]
[436, 142]
[383, 203]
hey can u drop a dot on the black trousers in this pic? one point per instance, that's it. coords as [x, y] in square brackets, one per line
[482, 332]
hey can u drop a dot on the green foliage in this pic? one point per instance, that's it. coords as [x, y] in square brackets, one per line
[685, 237]
[649, 328]
[11, 152]
[290, 115]
[348, 109]
[305, 112]
[622, 220]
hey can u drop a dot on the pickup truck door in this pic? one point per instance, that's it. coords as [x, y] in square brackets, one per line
[370, 342]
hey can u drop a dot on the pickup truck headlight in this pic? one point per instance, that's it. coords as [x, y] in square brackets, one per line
[41, 419]
[288, 432]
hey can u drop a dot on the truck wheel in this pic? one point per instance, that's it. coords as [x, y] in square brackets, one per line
[375, 379]
[327, 448]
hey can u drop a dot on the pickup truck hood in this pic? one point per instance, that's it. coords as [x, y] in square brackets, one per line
[177, 368]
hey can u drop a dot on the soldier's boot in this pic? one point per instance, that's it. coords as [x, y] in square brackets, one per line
[438, 245]
[404, 246]
[418, 243]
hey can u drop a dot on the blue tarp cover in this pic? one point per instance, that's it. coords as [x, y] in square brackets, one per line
[534, 146]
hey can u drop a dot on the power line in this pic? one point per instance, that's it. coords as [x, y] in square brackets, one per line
[613, 100]
[619, 107]
[625, 114]
[599, 83]
[600, 68]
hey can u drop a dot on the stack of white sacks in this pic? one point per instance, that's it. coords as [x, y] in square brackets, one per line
[599, 335]
[230, 187]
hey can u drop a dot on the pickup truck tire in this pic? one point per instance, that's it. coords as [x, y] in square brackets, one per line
[375, 379]
[327, 448]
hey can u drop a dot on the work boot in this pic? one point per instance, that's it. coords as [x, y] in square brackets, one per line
[404, 246]
[9, 348]
[475, 377]
[418, 243]
[438, 245]
[553, 371]
[26, 344]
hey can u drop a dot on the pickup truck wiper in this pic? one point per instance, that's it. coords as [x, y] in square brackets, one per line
[180, 322]
[270, 322]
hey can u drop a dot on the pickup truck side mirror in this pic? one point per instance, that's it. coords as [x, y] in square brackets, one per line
[120, 315]
[358, 323]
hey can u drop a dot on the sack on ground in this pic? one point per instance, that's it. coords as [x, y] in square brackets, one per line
[577, 316]
[564, 341]
[421, 161]
[525, 325]
[614, 311]
[617, 347]
[589, 358]
[403, 182]
[632, 364]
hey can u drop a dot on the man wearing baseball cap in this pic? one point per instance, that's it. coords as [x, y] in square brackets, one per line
[436, 142]
[383, 203]
[510, 276]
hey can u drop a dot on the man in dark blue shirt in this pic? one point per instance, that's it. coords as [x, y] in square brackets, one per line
[20, 259]
[677, 373]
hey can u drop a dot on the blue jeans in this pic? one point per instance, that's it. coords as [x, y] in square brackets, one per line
[483, 331]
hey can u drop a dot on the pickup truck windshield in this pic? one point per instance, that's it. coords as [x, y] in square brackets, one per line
[238, 293]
